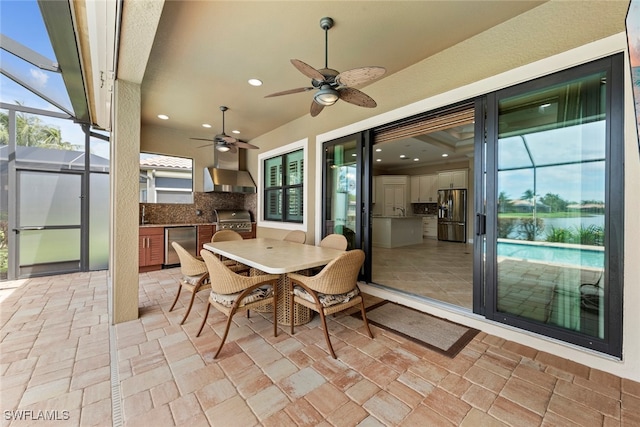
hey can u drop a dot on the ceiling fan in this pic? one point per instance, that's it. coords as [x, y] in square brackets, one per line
[331, 84]
[224, 142]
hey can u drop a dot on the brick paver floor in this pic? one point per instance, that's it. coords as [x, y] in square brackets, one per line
[56, 361]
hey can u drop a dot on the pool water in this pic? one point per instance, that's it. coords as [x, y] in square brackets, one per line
[553, 254]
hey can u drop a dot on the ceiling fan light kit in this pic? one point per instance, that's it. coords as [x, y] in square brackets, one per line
[331, 84]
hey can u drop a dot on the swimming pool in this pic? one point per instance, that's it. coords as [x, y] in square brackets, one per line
[552, 253]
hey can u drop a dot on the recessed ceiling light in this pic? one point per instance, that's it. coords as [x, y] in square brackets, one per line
[236, 131]
[163, 117]
[255, 82]
[353, 155]
[206, 125]
[378, 149]
[402, 156]
[445, 155]
[378, 160]
[416, 159]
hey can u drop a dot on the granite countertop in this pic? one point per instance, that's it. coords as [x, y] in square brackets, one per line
[179, 225]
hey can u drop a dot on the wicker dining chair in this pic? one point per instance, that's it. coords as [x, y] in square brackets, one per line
[334, 241]
[227, 236]
[296, 236]
[332, 290]
[232, 293]
[195, 276]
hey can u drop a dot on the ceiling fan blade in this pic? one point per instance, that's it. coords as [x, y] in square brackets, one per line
[242, 144]
[355, 97]
[290, 91]
[202, 146]
[203, 139]
[315, 108]
[226, 138]
[358, 76]
[308, 70]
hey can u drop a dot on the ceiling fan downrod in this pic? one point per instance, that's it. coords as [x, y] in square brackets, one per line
[326, 23]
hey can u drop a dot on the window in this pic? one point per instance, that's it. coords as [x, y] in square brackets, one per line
[283, 187]
[165, 179]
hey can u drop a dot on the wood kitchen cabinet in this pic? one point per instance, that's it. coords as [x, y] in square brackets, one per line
[150, 248]
[205, 232]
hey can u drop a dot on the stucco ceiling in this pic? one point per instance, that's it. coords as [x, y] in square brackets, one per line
[205, 51]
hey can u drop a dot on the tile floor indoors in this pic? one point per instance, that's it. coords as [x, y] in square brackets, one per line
[60, 357]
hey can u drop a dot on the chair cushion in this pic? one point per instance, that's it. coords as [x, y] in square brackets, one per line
[327, 300]
[227, 300]
[193, 280]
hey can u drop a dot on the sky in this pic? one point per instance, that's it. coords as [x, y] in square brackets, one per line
[22, 21]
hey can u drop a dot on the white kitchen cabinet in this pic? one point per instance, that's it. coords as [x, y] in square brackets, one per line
[430, 226]
[424, 189]
[394, 200]
[452, 179]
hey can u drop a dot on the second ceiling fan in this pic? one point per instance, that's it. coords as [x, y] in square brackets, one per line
[331, 84]
[224, 142]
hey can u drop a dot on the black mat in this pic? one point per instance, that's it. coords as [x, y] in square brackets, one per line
[437, 334]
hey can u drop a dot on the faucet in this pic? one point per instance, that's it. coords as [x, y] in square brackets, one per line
[401, 210]
[143, 219]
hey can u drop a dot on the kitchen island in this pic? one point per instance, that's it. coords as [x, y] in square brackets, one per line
[396, 231]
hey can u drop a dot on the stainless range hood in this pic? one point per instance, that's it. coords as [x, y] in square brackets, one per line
[225, 177]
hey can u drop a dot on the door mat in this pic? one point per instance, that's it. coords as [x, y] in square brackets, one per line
[437, 334]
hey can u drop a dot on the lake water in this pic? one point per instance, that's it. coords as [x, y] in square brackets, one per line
[570, 223]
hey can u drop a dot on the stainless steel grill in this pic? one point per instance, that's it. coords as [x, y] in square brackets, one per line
[236, 220]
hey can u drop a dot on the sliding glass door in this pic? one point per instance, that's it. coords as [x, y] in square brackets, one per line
[552, 248]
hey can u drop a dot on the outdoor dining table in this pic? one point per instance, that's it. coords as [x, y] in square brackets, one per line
[275, 256]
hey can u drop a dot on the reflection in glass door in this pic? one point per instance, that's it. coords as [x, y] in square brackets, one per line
[48, 222]
[548, 239]
[342, 197]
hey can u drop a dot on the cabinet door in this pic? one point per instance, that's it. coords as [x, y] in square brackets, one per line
[156, 249]
[425, 187]
[204, 235]
[432, 190]
[459, 179]
[416, 189]
[444, 180]
[393, 199]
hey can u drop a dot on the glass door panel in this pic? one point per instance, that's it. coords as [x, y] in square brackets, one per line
[48, 222]
[551, 174]
[341, 194]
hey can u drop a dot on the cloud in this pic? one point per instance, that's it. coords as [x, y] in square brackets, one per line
[38, 78]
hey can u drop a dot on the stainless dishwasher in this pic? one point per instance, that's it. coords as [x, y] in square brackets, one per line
[185, 236]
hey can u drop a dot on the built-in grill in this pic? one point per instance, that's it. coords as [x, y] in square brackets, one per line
[236, 220]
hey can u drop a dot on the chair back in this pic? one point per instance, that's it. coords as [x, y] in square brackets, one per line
[341, 274]
[334, 241]
[189, 265]
[225, 236]
[296, 236]
[224, 281]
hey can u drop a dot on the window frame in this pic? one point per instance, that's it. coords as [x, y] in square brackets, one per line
[281, 152]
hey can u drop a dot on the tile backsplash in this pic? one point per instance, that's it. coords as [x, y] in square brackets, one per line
[205, 203]
[424, 208]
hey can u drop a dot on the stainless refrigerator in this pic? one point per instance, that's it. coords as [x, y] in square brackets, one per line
[452, 215]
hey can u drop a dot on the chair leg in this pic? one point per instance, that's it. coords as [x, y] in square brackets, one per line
[275, 309]
[226, 332]
[364, 318]
[204, 319]
[193, 297]
[291, 303]
[326, 332]
[177, 296]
